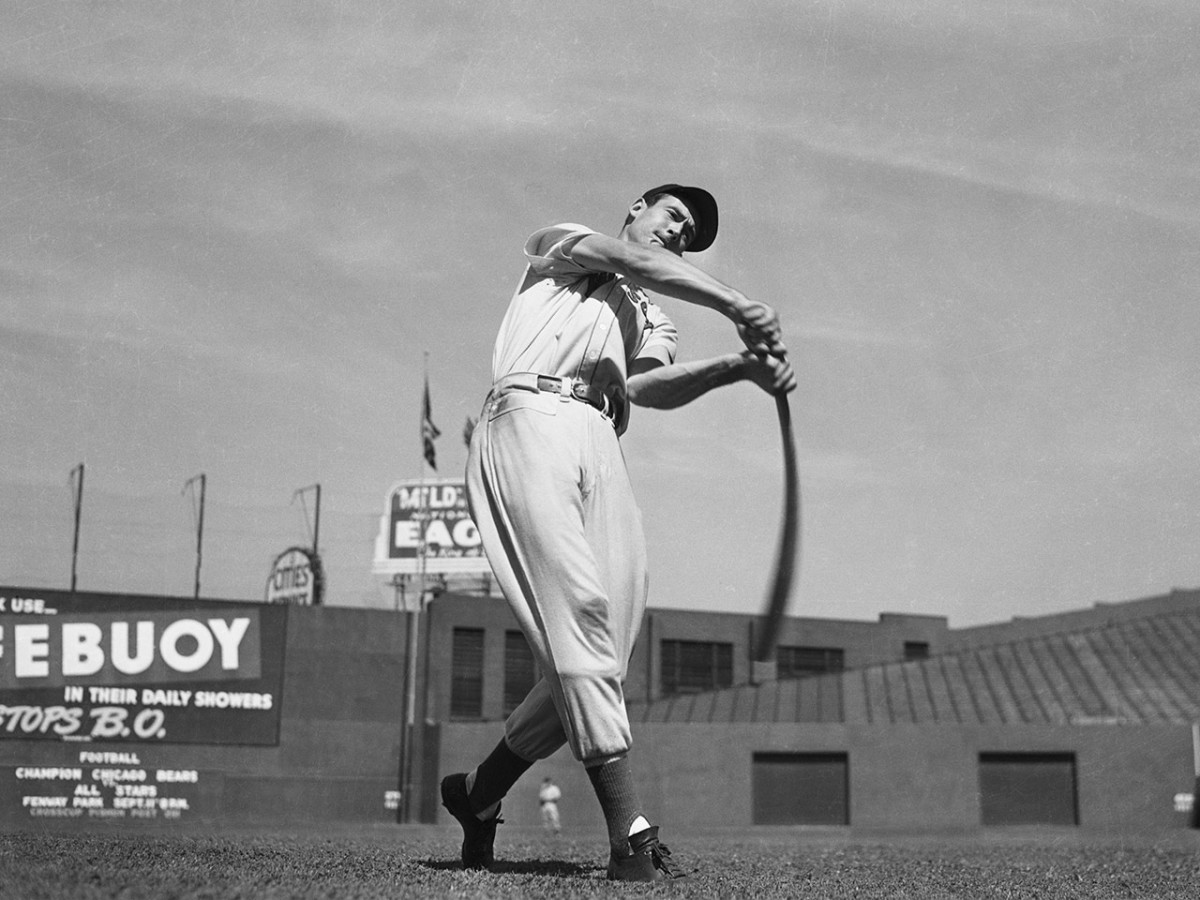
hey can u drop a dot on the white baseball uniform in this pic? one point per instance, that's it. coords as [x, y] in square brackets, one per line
[548, 797]
[551, 497]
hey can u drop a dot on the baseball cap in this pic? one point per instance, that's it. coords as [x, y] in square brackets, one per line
[704, 211]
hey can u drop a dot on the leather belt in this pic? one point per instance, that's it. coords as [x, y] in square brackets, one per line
[565, 387]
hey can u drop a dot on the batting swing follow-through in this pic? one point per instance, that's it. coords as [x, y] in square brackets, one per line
[552, 500]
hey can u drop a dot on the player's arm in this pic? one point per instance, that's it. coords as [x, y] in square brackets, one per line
[659, 270]
[665, 386]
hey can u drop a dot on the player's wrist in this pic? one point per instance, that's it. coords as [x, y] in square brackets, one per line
[738, 306]
[747, 362]
[733, 367]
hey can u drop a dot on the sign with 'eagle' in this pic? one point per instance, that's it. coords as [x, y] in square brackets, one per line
[426, 526]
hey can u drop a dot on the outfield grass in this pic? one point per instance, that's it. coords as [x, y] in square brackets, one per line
[416, 861]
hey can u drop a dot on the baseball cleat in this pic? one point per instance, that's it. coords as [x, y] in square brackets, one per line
[648, 860]
[478, 837]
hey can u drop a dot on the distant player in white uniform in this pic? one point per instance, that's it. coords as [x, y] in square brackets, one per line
[548, 796]
[552, 500]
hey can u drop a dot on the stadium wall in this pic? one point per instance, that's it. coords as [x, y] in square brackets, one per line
[340, 707]
[912, 778]
[336, 759]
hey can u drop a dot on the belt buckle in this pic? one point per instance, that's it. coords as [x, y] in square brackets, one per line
[596, 399]
[549, 383]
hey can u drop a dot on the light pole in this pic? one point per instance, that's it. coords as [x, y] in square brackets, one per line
[316, 531]
[199, 524]
[77, 500]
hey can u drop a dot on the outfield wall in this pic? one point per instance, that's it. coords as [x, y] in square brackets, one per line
[338, 709]
[901, 777]
[327, 745]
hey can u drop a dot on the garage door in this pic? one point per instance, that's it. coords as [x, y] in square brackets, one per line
[1028, 789]
[801, 789]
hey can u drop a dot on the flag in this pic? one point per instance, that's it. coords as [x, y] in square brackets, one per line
[429, 431]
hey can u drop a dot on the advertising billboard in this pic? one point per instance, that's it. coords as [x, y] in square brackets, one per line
[107, 785]
[139, 669]
[297, 577]
[428, 518]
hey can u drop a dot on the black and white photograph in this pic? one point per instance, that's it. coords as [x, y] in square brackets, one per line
[518, 449]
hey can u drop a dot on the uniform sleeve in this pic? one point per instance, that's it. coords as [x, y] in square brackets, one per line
[660, 339]
[549, 250]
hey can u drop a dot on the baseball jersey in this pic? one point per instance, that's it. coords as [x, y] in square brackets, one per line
[567, 321]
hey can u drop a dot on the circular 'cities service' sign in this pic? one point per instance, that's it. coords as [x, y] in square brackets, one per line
[296, 578]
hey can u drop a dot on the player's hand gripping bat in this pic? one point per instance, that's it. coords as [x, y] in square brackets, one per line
[789, 540]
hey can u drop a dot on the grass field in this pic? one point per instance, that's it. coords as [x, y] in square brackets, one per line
[418, 861]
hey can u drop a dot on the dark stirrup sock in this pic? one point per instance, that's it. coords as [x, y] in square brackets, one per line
[496, 775]
[613, 783]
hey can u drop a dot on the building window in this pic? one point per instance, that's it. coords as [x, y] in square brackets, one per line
[1028, 789]
[689, 667]
[916, 650]
[797, 662]
[520, 671]
[466, 674]
[800, 789]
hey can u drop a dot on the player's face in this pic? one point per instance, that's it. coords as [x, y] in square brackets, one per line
[668, 223]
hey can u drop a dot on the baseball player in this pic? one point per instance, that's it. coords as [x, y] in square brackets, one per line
[548, 796]
[551, 497]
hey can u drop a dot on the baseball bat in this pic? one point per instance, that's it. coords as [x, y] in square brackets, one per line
[789, 540]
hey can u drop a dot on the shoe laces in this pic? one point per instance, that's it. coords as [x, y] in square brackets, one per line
[662, 860]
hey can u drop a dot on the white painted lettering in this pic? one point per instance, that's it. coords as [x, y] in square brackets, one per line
[437, 533]
[466, 534]
[31, 651]
[81, 653]
[174, 657]
[108, 695]
[177, 776]
[229, 635]
[109, 722]
[121, 660]
[407, 534]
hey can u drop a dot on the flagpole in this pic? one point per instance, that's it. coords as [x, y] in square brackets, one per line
[421, 548]
[413, 614]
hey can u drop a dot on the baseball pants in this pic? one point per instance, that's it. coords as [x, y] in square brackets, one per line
[551, 497]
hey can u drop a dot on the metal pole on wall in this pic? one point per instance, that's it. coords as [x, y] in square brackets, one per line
[408, 732]
[414, 631]
[316, 517]
[199, 525]
[77, 498]
[316, 531]
[407, 807]
[410, 702]
[399, 585]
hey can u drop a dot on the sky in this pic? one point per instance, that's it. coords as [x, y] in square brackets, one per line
[235, 235]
